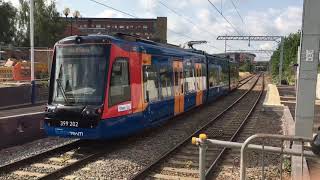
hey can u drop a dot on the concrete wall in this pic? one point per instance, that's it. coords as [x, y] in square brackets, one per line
[18, 130]
[318, 87]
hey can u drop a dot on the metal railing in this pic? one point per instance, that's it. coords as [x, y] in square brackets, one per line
[203, 142]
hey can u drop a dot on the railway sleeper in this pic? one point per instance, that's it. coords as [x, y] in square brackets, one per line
[186, 163]
[169, 177]
[182, 172]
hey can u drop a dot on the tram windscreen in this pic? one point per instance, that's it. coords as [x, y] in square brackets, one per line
[80, 72]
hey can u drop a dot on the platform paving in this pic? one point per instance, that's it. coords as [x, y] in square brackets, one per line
[21, 111]
[288, 98]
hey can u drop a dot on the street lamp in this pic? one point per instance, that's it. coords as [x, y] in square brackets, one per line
[76, 15]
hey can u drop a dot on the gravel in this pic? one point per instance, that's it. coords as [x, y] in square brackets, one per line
[262, 122]
[16, 153]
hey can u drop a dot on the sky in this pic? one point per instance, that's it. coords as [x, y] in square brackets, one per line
[200, 20]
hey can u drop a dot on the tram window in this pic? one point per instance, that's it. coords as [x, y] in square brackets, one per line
[213, 75]
[150, 83]
[176, 78]
[204, 72]
[119, 82]
[165, 82]
[189, 79]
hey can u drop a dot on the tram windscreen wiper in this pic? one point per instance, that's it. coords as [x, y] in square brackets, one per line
[62, 90]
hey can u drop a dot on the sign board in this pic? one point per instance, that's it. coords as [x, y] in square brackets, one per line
[124, 107]
[309, 55]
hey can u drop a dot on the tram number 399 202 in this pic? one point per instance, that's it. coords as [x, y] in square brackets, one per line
[69, 124]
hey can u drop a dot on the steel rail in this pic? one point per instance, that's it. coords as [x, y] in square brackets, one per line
[26, 161]
[71, 167]
[141, 174]
[246, 79]
[209, 172]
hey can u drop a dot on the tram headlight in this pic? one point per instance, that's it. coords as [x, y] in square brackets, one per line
[50, 109]
[99, 110]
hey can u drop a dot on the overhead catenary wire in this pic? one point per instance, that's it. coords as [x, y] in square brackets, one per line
[236, 9]
[235, 29]
[134, 16]
[102, 4]
[187, 19]
[220, 12]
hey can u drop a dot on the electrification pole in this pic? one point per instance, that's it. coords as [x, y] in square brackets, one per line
[307, 73]
[281, 59]
[32, 51]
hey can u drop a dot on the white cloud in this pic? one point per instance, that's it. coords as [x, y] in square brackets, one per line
[267, 46]
[289, 20]
[15, 3]
[274, 21]
[109, 14]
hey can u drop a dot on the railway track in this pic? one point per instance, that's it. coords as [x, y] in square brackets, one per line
[245, 80]
[53, 163]
[181, 162]
[58, 162]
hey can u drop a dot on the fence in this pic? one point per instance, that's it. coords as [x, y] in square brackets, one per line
[15, 63]
[203, 143]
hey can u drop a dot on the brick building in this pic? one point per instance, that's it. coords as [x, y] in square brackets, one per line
[153, 29]
[239, 56]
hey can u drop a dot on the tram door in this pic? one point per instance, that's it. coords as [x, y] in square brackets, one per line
[199, 79]
[178, 87]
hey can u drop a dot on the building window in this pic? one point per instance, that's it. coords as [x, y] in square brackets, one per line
[115, 26]
[121, 27]
[98, 25]
[131, 27]
[108, 26]
[145, 27]
[85, 26]
[119, 82]
[127, 27]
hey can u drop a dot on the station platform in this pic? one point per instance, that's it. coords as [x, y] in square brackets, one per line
[21, 125]
[285, 96]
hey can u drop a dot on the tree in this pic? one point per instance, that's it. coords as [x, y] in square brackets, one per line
[246, 66]
[7, 22]
[290, 48]
[48, 26]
